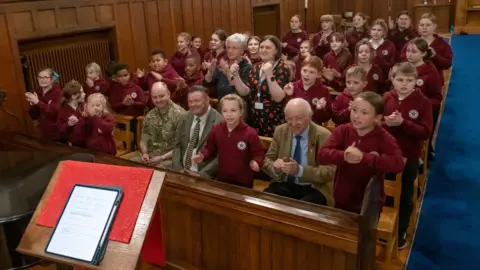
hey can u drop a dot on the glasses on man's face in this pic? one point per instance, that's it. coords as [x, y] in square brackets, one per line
[44, 78]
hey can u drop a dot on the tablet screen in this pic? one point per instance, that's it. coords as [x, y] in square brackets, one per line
[83, 222]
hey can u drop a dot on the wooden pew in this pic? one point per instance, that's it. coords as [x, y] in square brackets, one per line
[213, 225]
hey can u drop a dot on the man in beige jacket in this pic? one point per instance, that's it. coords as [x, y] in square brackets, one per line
[291, 158]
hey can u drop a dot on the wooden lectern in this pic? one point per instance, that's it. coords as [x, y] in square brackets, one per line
[118, 256]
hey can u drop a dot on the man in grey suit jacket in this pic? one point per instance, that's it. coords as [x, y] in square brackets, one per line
[195, 125]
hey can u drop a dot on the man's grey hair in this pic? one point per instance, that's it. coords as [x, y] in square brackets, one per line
[238, 39]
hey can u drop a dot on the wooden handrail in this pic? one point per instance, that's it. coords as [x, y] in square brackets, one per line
[3, 98]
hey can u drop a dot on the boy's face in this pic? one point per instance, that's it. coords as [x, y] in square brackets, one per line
[158, 63]
[191, 67]
[404, 84]
[309, 75]
[123, 76]
[355, 85]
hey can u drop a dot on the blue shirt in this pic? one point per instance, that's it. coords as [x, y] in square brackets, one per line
[304, 147]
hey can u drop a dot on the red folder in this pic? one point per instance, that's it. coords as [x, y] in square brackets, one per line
[134, 182]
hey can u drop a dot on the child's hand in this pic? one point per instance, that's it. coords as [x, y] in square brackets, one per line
[72, 121]
[327, 74]
[181, 84]
[395, 119]
[254, 166]
[353, 155]
[140, 73]
[32, 98]
[336, 73]
[127, 101]
[391, 24]
[85, 110]
[288, 89]
[156, 75]
[321, 104]
[197, 159]
[350, 105]
[284, 44]
[284, 57]
[89, 82]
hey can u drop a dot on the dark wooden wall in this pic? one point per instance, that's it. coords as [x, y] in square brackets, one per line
[139, 26]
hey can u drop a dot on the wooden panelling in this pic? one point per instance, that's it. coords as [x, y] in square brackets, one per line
[15, 103]
[467, 18]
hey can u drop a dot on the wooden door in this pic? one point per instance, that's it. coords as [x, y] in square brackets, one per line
[266, 20]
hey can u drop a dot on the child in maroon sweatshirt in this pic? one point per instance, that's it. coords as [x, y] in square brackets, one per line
[95, 128]
[376, 82]
[356, 82]
[385, 55]
[45, 103]
[193, 76]
[160, 71]
[240, 153]
[71, 110]
[335, 62]
[126, 97]
[94, 82]
[306, 50]
[310, 88]
[408, 117]
[360, 150]
[293, 38]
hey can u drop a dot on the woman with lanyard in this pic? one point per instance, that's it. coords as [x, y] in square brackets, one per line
[265, 85]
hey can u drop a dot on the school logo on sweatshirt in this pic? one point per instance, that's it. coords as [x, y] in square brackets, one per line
[419, 82]
[315, 101]
[241, 145]
[299, 40]
[385, 52]
[375, 77]
[413, 114]
[133, 95]
[97, 88]
[375, 153]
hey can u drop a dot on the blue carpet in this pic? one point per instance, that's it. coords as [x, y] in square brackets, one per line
[448, 234]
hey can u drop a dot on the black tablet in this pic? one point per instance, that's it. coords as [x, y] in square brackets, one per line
[82, 231]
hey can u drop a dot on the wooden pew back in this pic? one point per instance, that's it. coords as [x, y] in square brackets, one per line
[213, 225]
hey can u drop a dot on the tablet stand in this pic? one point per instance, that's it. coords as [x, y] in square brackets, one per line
[118, 255]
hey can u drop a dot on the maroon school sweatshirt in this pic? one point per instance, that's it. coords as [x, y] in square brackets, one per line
[46, 111]
[96, 133]
[381, 155]
[234, 151]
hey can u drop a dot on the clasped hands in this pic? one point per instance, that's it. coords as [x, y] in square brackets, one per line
[352, 154]
[286, 165]
[151, 160]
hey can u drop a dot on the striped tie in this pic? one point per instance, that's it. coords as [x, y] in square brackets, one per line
[192, 144]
